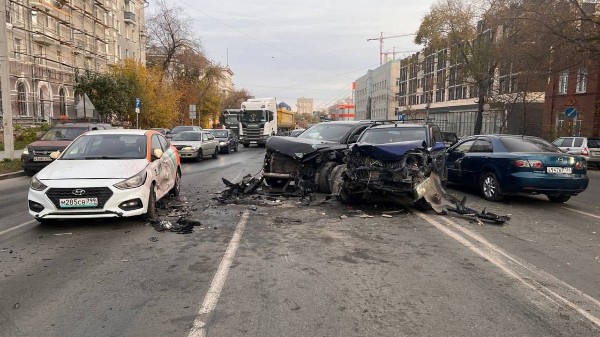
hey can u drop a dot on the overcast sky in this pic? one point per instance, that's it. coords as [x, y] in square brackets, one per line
[311, 48]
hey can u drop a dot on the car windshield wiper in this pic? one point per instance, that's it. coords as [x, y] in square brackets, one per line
[100, 157]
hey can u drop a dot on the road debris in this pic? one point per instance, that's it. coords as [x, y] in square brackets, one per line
[386, 215]
[61, 234]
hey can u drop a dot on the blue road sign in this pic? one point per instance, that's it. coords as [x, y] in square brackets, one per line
[570, 112]
[137, 102]
[401, 117]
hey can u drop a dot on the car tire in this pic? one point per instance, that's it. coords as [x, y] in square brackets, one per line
[200, 155]
[246, 145]
[151, 213]
[235, 149]
[228, 151]
[216, 154]
[323, 177]
[489, 187]
[30, 173]
[558, 198]
[177, 188]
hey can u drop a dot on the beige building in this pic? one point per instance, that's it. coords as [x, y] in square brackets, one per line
[225, 83]
[375, 93]
[49, 41]
[304, 105]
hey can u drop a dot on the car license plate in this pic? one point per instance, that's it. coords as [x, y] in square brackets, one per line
[78, 202]
[561, 170]
[42, 159]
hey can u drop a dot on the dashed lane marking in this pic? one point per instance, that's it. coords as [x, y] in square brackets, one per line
[582, 212]
[17, 227]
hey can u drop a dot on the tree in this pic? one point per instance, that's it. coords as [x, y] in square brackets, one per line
[469, 29]
[110, 94]
[235, 98]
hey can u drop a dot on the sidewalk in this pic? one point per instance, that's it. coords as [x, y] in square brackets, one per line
[17, 154]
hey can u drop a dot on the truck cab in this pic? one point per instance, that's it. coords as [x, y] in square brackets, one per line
[258, 121]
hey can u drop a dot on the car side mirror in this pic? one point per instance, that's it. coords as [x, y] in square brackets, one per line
[54, 155]
[157, 153]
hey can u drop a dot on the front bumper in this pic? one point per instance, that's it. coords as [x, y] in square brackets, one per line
[29, 162]
[110, 208]
[188, 153]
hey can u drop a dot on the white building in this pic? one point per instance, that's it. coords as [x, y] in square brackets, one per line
[375, 93]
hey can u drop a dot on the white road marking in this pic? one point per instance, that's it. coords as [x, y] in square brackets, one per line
[214, 291]
[529, 275]
[582, 212]
[17, 227]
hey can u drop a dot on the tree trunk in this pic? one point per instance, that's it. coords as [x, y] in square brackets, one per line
[480, 103]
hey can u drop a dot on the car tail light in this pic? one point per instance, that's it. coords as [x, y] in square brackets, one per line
[536, 164]
[585, 151]
[580, 165]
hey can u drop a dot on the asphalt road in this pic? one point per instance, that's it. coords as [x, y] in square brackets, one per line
[292, 270]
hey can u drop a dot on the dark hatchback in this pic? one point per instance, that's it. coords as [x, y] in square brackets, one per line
[500, 165]
[36, 155]
[228, 140]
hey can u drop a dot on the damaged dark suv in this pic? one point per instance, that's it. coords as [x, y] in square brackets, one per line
[308, 159]
[390, 159]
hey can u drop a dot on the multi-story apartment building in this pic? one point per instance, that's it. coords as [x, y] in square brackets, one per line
[304, 105]
[432, 87]
[225, 83]
[50, 41]
[376, 92]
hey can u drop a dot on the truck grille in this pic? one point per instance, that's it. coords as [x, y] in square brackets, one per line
[102, 193]
[253, 133]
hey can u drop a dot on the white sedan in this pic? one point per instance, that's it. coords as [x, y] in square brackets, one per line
[107, 173]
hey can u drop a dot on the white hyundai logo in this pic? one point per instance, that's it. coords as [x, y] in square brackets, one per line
[78, 191]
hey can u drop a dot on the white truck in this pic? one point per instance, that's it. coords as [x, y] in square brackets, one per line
[258, 119]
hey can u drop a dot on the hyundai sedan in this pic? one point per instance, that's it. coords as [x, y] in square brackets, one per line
[107, 173]
[500, 165]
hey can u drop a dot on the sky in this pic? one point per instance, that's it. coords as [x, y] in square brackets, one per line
[312, 48]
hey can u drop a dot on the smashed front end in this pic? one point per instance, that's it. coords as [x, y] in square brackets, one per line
[393, 168]
[303, 162]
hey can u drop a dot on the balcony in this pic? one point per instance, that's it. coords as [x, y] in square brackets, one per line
[43, 35]
[129, 17]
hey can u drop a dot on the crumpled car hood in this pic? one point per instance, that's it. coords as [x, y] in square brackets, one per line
[389, 151]
[297, 148]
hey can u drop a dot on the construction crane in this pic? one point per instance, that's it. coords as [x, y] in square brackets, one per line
[394, 52]
[381, 38]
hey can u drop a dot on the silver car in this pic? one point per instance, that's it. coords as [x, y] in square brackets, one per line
[196, 145]
[588, 148]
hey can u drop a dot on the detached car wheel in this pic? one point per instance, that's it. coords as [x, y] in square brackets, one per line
[490, 188]
[558, 198]
[324, 175]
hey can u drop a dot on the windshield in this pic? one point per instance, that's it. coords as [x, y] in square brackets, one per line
[230, 119]
[188, 136]
[63, 133]
[219, 133]
[527, 144]
[179, 129]
[393, 135]
[252, 116]
[327, 131]
[107, 147]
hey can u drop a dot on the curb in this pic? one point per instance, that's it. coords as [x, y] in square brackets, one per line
[12, 175]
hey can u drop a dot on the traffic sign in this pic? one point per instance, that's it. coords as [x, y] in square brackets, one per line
[137, 110]
[570, 101]
[570, 112]
[192, 114]
[137, 102]
[193, 107]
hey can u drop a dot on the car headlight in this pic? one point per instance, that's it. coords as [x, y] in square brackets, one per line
[26, 150]
[37, 185]
[133, 182]
[190, 148]
[222, 143]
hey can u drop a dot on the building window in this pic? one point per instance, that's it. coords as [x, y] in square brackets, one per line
[21, 99]
[62, 101]
[563, 80]
[582, 76]
[17, 48]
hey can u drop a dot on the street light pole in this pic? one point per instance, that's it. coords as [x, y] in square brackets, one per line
[7, 118]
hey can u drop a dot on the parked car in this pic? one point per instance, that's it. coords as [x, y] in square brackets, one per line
[390, 159]
[500, 165]
[309, 158]
[108, 173]
[36, 155]
[196, 144]
[588, 148]
[162, 131]
[182, 128]
[228, 141]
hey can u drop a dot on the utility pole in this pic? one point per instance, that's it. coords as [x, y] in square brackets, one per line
[381, 38]
[7, 118]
